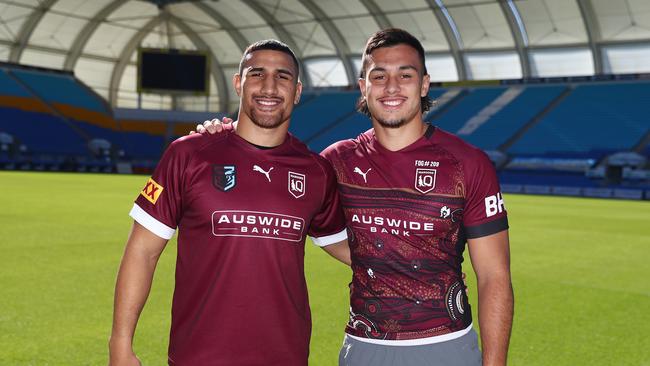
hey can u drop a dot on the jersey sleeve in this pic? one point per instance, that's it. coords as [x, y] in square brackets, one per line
[158, 206]
[328, 226]
[485, 213]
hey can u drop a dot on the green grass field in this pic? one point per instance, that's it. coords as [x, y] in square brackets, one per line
[580, 272]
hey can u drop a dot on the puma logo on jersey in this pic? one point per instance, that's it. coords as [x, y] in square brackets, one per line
[256, 168]
[363, 174]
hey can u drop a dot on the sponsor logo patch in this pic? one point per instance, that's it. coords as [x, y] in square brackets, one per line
[297, 184]
[425, 180]
[152, 191]
[224, 177]
[255, 224]
[493, 204]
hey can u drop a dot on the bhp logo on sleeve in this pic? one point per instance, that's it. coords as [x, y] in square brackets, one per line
[494, 204]
[152, 191]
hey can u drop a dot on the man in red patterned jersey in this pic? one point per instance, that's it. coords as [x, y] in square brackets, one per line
[243, 202]
[413, 195]
[411, 221]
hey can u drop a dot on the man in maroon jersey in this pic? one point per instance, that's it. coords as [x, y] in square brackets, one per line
[411, 222]
[413, 195]
[243, 203]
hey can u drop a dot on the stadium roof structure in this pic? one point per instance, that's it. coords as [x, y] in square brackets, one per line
[464, 39]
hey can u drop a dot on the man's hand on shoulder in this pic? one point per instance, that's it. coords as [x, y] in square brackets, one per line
[212, 126]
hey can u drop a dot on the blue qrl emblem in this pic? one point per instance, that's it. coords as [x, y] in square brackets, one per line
[224, 177]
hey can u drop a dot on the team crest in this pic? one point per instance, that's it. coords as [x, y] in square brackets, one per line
[297, 184]
[425, 180]
[223, 177]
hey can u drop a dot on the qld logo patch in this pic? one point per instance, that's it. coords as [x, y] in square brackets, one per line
[297, 183]
[152, 191]
[425, 180]
[224, 177]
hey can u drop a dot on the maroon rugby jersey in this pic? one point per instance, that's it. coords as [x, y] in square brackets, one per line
[242, 215]
[410, 213]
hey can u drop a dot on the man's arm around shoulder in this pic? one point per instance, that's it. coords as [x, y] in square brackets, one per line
[340, 251]
[134, 278]
[491, 261]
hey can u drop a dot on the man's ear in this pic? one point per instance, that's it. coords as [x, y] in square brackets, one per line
[426, 81]
[362, 86]
[236, 83]
[296, 99]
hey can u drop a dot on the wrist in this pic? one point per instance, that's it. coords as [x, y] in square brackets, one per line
[120, 343]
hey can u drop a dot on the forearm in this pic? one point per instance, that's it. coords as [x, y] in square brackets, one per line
[133, 285]
[496, 305]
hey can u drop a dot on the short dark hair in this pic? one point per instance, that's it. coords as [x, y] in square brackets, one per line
[269, 44]
[388, 38]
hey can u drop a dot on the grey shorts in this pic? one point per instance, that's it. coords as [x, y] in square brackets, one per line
[461, 351]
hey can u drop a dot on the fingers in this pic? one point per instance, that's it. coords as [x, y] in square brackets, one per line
[213, 126]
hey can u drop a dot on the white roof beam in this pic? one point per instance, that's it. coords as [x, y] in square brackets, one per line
[225, 24]
[28, 28]
[282, 32]
[88, 30]
[518, 34]
[215, 67]
[452, 36]
[123, 59]
[382, 20]
[593, 33]
[342, 48]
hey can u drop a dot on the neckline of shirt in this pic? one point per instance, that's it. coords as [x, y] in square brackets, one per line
[284, 146]
[428, 135]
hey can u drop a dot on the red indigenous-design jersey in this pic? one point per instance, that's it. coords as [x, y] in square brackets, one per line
[410, 213]
[242, 215]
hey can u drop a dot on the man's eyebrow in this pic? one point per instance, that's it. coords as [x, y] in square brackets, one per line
[408, 67]
[405, 67]
[285, 71]
[280, 71]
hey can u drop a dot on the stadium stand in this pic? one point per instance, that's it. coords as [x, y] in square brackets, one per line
[61, 89]
[352, 125]
[594, 120]
[10, 88]
[311, 117]
[60, 124]
[541, 134]
[496, 130]
[35, 131]
[471, 103]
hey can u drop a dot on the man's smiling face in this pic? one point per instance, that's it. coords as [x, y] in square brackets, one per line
[268, 88]
[394, 84]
